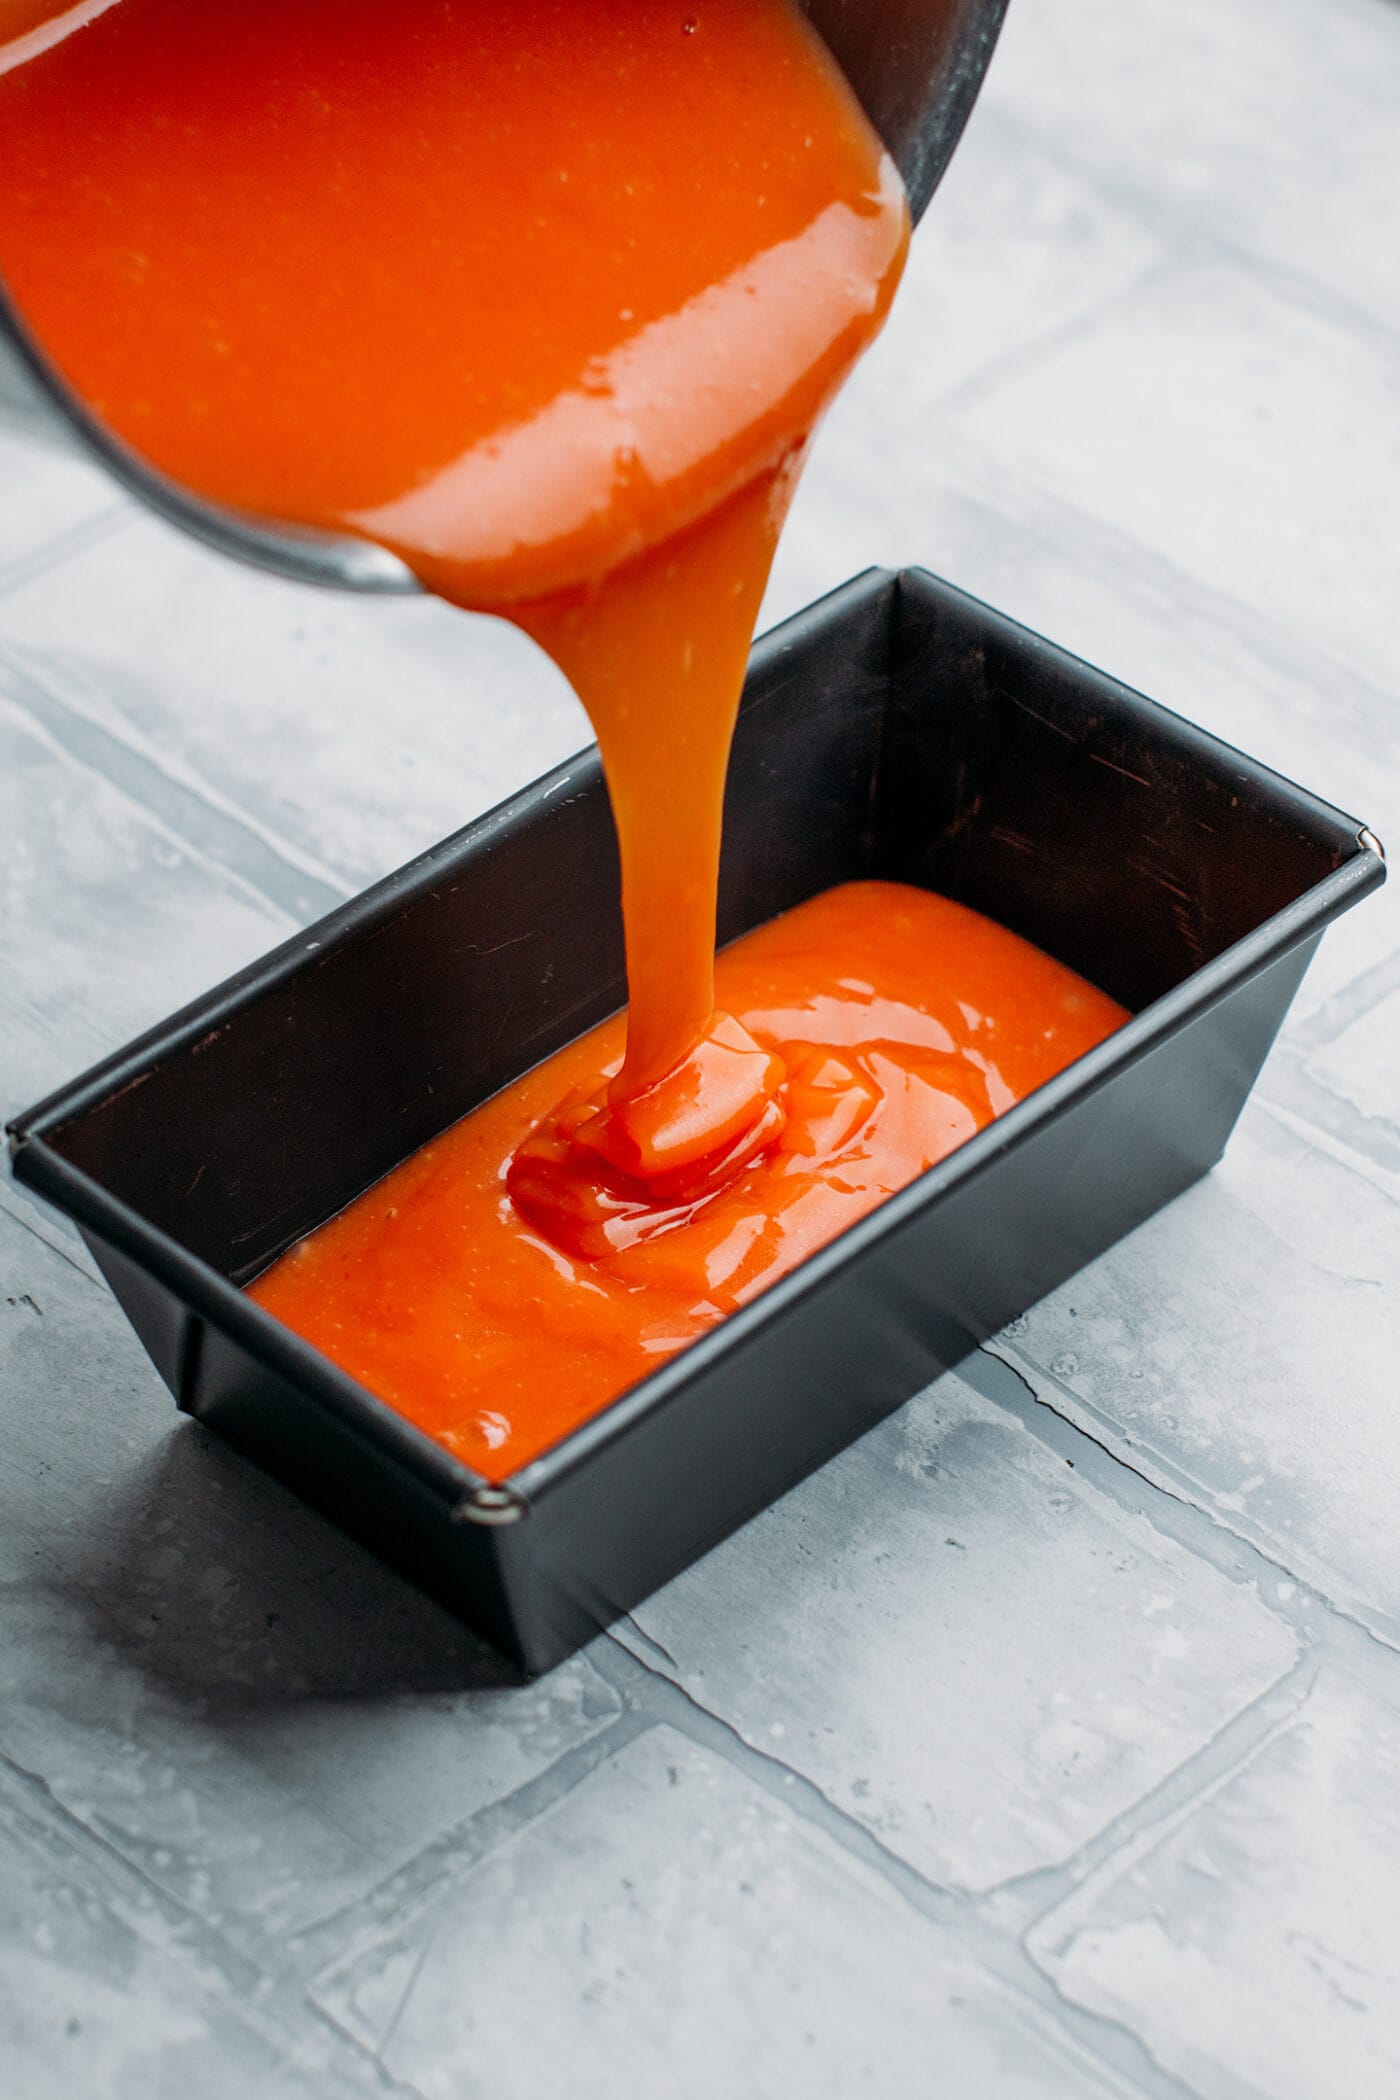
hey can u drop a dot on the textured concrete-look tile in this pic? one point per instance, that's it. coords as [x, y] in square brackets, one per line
[1140, 391]
[354, 731]
[1361, 1066]
[1341, 1071]
[1017, 249]
[90, 2008]
[963, 1644]
[1265, 124]
[235, 1697]
[670, 1930]
[44, 496]
[112, 920]
[1235, 433]
[1254, 1946]
[1245, 1343]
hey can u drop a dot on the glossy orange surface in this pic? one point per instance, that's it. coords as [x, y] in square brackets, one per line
[902, 1023]
[545, 295]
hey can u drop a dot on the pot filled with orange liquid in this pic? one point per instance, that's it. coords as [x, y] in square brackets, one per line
[543, 302]
[915, 67]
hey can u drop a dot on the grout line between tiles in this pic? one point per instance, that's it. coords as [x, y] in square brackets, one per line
[966, 1919]
[211, 823]
[1282, 1705]
[66, 545]
[1024, 499]
[331, 1941]
[275, 2008]
[27, 1214]
[1330, 1143]
[1202, 1533]
[1005, 367]
[1177, 225]
[48, 726]
[1311, 1110]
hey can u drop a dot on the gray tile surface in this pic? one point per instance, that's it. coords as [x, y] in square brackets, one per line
[113, 917]
[51, 503]
[91, 2004]
[1203, 1344]
[871, 1632]
[1216, 388]
[1268, 1908]
[263, 1747]
[1044, 1744]
[319, 738]
[695, 1929]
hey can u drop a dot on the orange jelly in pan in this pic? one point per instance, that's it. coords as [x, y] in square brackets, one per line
[548, 299]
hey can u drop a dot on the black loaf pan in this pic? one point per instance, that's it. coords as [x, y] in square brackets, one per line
[897, 729]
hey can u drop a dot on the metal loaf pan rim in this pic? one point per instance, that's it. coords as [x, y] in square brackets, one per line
[207, 1295]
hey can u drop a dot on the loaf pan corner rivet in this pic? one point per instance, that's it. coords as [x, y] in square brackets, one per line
[490, 1504]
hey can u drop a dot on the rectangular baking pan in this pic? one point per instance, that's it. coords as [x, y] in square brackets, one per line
[897, 729]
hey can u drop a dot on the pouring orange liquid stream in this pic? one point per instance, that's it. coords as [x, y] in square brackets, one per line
[548, 299]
